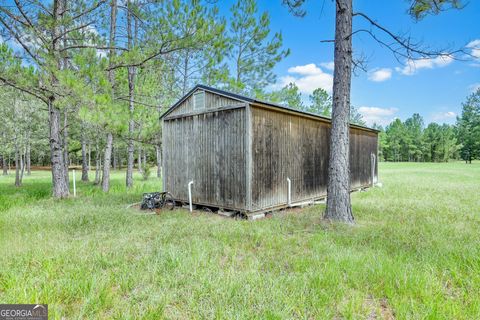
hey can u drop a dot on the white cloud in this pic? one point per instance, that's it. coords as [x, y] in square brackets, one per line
[328, 65]
[379, 75]
[443, 116]
[308, 69]
[307, 78]
[474, 87]
[381, 116]
[474, 46]
[412, 66]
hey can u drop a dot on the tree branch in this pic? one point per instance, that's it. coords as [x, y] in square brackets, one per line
[86, 46]
[410, 49]
[78, 16]
[30, 92]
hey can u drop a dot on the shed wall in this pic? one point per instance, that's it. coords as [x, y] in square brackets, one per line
[209, 149]
[287, 145]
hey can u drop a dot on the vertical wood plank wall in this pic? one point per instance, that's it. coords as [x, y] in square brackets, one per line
[241, 158]
[286, 145]
[210, 150]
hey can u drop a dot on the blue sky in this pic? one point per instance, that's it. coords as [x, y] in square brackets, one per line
[433, 88]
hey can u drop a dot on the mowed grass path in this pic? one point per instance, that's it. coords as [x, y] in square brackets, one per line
[414, 254]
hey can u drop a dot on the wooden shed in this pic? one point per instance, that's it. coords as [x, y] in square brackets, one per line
[252, 156]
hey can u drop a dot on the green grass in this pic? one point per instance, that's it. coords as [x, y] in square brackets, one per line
[414, 253]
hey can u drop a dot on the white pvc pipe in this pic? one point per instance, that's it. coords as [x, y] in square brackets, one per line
[289, 196]
[373, 159]
[190, 195]
[74, 185]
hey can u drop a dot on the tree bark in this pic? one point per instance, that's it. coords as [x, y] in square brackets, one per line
[131, 105]
[107, 163]
[84, 159]
[28, 160]
[59, 181]
[159, 160]
[17, 164]
[66, 157]
[98, 164]
[22, 167]
[3, 161]
[139, 159]
[28, 154]
[338, 191]
[60, 187]
[89, 156]
[111, 78]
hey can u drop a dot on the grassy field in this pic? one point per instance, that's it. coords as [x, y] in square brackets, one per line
[414, 254]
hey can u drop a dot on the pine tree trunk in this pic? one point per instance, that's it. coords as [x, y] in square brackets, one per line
[139, 159]
[66, 157]
[131, 105]
[159, 161]
[130, 160]
[3, 163]
[17, 164]
[89, 156]
[98, 165]
[84, 159]
[107, 160]
[22, 167]
[111, 78]
[60, 188]
[28, 155]
[59, 181]
[338, 191]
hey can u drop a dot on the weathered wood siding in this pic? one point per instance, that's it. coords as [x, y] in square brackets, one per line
[212, 101]
[296, 147]
[209, 149]
[362, 145]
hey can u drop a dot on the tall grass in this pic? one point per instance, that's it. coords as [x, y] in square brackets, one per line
[414, 253]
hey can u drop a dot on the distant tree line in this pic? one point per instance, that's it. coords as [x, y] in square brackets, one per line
[410, 140]
[320, 102]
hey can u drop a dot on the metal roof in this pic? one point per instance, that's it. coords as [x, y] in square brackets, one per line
[252, 100]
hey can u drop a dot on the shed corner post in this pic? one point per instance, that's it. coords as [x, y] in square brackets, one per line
[249, 157]
[163, 151]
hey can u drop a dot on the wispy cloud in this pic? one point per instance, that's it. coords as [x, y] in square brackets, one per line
[379, 75]
[474, 47]
[328, 65]
[474, 87]
[307, 77]
[413, 66]
[381, 116]
[444, 116]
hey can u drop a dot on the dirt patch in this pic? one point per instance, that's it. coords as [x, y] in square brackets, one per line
[378, 309]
